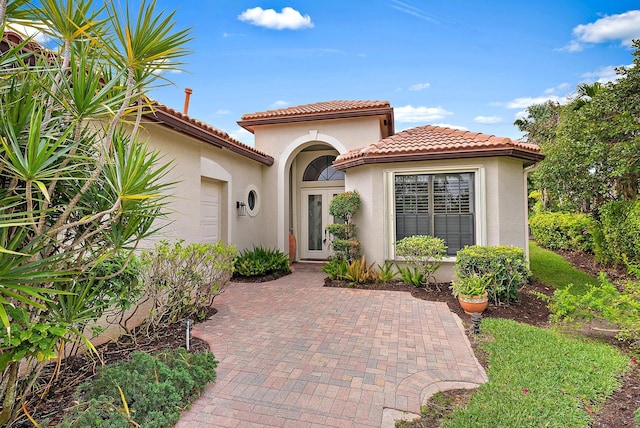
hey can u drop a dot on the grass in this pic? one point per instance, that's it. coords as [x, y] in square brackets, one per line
[551, 269]
[539, 377]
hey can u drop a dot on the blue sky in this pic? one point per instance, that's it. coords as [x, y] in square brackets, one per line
[469, 64]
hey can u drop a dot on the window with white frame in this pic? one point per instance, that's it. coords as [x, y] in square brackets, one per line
[441, 205]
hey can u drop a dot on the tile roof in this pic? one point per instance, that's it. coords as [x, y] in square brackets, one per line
[318, 108]
[435, 142]
[204, 132]
[322, 111]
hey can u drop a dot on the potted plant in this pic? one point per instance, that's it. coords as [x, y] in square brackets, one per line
[471, 292]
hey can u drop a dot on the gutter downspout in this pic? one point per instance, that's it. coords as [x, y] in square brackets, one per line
[525, 172]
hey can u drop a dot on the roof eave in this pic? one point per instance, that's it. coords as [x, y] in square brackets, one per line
[251, 124]
[530, 157]
[173, 122]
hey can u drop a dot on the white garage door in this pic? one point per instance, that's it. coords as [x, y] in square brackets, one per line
[210, 211]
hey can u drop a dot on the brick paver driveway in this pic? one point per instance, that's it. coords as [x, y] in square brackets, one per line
[295, 353]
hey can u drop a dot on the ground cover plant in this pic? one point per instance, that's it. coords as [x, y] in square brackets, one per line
[261, 262]
[145, 391]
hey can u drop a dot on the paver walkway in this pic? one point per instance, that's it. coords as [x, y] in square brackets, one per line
[296, 354]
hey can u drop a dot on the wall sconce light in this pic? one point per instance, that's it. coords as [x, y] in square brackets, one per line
[242, 208]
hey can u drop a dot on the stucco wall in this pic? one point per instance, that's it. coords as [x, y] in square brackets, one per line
[192, 160]
[499, 205]
[284, 143]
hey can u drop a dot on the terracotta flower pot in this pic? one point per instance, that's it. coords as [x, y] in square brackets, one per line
[471, 304]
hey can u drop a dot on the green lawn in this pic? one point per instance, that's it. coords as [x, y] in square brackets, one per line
[551, 269]
[539, 377]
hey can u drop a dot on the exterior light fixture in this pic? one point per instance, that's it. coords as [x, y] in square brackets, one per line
[242, 208]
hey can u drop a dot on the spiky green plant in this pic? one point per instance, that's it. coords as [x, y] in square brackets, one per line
[76, 184]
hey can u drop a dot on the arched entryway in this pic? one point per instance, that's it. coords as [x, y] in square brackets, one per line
[316, 183]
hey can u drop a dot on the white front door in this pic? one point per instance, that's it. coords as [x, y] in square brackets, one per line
[315, 242]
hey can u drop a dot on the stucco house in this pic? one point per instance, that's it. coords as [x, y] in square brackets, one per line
[468, 188]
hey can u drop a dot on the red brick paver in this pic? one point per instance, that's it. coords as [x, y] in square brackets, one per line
[295, 353]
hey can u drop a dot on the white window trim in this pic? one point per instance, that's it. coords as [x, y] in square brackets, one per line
[256, 209]
[480, 202]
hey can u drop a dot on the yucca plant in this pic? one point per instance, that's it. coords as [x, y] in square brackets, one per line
[386, 272]
[336, 268]
[359, 273]
[77, 185]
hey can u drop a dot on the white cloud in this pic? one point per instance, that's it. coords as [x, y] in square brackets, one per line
[420, 86]
[448, 125]
[487, 120]
[524, 102]
[222, 112]
[243, 135]
[411, 114]
[279, 104]
[623, 27]
[521, 114]
[563, 87]
[603, 74]
[287, 19]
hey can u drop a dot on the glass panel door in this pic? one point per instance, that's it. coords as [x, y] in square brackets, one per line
[315, 239]
[315, 226]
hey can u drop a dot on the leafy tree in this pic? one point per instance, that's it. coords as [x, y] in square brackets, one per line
[592, 144]
[76, 185]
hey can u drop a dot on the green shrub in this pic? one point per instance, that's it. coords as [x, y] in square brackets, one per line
[155, 389]
[604, 302]
[344, 243]
[335, 268]
[261, 261]
[506, 268]
[424, 252]
[619, 232]
[347, 249]
[386, 272]
[345, 205]
[181, 279]
[359, 273]
[563, 231]
[342, 230]
[474, 285]
[411, 276]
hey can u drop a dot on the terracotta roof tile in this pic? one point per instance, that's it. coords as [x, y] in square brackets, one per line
[435, 142]
[318, 108]
[183, 122]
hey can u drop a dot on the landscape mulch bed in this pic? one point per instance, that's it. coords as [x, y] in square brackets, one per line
[59, 395]
[618, 410]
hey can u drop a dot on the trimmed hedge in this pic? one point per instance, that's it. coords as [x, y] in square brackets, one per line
[563, 231]
[505, 266]
[619, 232]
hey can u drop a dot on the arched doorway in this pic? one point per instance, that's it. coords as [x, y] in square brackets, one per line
[318, 185]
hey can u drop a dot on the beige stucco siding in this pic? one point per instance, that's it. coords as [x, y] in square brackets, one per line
[284, 142]
[499, 203]
[194, 160]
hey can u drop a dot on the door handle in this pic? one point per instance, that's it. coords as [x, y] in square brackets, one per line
[324, 241]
